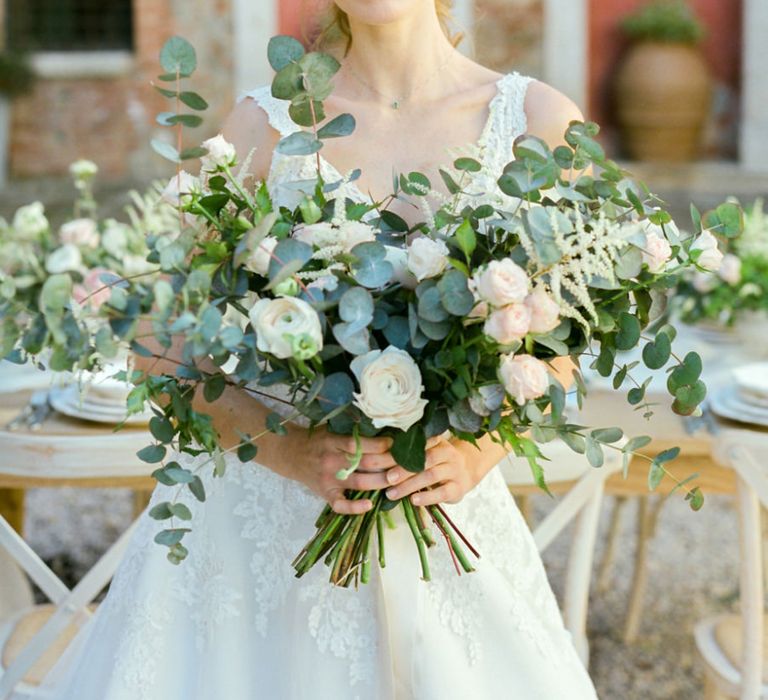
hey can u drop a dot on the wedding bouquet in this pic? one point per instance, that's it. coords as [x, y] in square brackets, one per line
[369, 326]
[740, 284]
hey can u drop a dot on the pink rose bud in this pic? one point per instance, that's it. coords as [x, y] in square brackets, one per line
[524, 377]
[545, 312]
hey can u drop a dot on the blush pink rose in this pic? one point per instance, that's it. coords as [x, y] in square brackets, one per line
[93, 292]
[524, 377]
[508, 324]
[730, 269]
[657, 252]
[545, 312]
[502, 282]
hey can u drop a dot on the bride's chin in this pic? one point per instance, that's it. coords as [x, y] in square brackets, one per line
[378, 12]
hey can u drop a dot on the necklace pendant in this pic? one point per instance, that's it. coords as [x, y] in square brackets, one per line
[395, 104]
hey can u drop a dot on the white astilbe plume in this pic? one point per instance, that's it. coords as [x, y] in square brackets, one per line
[585, 255]
[243, 171]
[150, 214]
[309, 275]
[754, 240]
[328, 252]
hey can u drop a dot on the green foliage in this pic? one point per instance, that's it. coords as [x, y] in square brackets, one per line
[664, 20]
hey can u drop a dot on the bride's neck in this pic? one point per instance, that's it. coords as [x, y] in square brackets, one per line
[393, 59]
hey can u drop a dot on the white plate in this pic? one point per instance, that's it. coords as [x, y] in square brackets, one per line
[66, 400]
[753, 378]
[727, 403]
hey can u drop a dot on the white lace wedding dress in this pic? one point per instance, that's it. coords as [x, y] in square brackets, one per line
[232, 622]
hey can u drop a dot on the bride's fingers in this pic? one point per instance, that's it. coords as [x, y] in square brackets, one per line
[366, 481]
[377, 462]
[417, 482]
[346, 506]
[449, 492]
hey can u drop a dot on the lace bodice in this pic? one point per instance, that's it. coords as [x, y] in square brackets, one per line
[290, 176]
[506, 121]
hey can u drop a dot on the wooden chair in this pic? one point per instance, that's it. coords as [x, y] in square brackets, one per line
[733, 647]
[62, 452]
[583, 487]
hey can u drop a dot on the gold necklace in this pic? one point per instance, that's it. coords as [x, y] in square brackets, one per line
[395, 102]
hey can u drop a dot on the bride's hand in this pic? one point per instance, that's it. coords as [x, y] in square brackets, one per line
[326, 454]
[448, 477]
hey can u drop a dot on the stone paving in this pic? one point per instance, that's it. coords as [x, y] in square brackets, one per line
[693, 573]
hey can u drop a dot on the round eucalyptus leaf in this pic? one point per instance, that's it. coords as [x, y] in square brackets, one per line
[343, 125]
[300, 143]
[336, 391]
[431, 306]
[283, 50]
[454, 293]
[352, 338]
[56, 292]
[356, 308]
[288, 82]
[397, 332]
[656, 353]
[371, 268]
[178, 57]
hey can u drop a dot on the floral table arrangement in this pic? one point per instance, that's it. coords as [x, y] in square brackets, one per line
[367, 325]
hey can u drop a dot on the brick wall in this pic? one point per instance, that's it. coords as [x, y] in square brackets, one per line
[508, 35]
[111, 120]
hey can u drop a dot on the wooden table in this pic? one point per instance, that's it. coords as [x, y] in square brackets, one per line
[66, 452]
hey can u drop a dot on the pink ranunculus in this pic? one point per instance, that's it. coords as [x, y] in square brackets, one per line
[730, 269]
[96, 290]
[656, 252]
[508, 324]
[545, 312]
[502, 282]
[80, 232]
[524, 377]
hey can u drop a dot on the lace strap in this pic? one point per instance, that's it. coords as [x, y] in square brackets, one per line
[507, 119]
[276, 110]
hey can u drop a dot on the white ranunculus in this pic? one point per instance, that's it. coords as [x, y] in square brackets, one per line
[180, 187]
[258, 260]
[320, 235]
[390, 388]
[427, 257]
[508, 324]
[710, 257]
[67, 258]
[355, 232]
[83, 169]
[524, 377]
[80, 232]
[29, 222]
[656, 252]
[221, 154]
[545, 311]
[398, 258]
[502, 282]
[283, 324]
[730, 269]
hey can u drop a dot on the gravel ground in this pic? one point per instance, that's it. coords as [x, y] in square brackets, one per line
[692, 563]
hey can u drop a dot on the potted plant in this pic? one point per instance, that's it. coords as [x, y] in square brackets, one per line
[663, 87]
[16, 78]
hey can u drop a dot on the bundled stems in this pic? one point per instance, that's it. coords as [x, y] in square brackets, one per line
[344, 541]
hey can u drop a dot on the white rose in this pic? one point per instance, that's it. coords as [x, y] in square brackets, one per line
[283, 324]
[508, 324]
[427, 257]
[545, 312]
[258, 260]
[64, 259]
[221, 154]
[398, 258]
[390, 388]
[711, 257]
[524, 377]
[656, 252]
[180, 187]
[355, 232]
[704, 282]
[83, 169]
[730, 269]
[29, 222]
[320, 235]
[502, 282]
[80, 232]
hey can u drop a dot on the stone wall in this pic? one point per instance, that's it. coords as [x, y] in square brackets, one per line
[110, 119]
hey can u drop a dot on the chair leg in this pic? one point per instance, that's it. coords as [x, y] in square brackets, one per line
[580, 572]
[712, 690]
[647, 517]
[619, 503]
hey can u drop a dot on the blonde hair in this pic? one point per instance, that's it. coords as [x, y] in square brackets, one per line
[334, 30]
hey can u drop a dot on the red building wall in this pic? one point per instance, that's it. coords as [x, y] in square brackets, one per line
[722, 48]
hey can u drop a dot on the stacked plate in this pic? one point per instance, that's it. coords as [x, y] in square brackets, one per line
[746, 400]
[100, 399]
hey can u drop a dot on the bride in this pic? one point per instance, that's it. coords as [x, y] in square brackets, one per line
[232, 621]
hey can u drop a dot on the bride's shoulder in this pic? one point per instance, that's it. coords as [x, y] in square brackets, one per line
[249, 126]
[549, 112]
